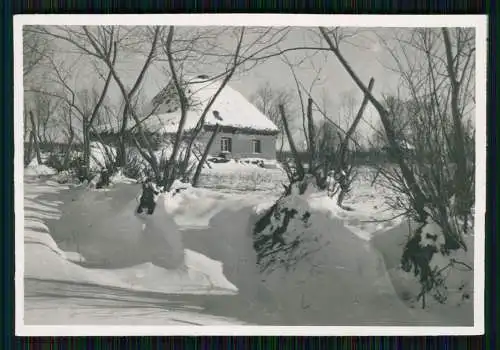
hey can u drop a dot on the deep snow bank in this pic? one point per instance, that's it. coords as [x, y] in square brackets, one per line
[45, 261]
[125, 249]
[342, 281]
[459, 279]
[193, 207]
[316, 263]
[369, 215]
[104, 227]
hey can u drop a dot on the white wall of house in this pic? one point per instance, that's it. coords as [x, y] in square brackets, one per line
[242, 145]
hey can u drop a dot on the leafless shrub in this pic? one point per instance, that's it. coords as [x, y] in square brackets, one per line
[435, 179]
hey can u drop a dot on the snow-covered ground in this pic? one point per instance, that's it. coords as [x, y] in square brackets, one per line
[56, 277]
[241, 176]
[347, 283]
[353, 281]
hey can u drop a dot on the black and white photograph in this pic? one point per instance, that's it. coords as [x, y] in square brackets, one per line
[250, 174]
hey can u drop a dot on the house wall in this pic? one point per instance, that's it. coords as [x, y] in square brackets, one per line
[242, 145]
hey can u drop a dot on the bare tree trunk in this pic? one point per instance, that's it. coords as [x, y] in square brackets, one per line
[122, 152]
[459, 147]
[37, 149]
[282, 144]
[109, 57]
[123, 131]
[26, 130]
[419, 198]
[151, 155]
[352, 128]
[148, 156]
[68, 149]
[201, 121]
[311, 134]
[204, 156]
[67, 155]
[293, 149]
[110, 165]
[86, 149]
[29, 151]
[169, 172]
[35, 138]
[151, 158]
[342, 154]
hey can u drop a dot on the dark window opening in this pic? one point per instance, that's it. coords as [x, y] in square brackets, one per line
[256, 147]
[226, 145]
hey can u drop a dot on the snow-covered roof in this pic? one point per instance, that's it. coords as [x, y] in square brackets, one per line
[230, 109]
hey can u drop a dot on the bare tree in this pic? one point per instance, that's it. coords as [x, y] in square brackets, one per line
[35, 50]
[36, 47]
[205, 155]
[34, 137]
[169, 172]
[102, 45]
[334, 38]
[39, 119]
[300, 173]
[86, 103]
[432, 110]
[231, 67]
[267, 99]
[437, 82]
[335, 158]
[180, 52]
[68, 118]
[247, 44]
[183, 51]
[154, 37]
[343, 167]
[327, 150]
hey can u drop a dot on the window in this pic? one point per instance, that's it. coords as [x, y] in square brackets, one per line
[256, 146]
[225, 144]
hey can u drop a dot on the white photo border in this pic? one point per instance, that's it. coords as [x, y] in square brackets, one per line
[479, 22]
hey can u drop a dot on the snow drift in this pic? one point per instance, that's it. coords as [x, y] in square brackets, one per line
[337, 277]
[122, 256]
[334, 277]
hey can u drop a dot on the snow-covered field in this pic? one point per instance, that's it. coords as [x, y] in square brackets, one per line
[98, 265]
[240, 176]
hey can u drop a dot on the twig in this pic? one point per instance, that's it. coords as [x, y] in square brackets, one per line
[385, 220]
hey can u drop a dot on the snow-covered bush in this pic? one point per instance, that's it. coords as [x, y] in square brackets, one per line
[102, 157]
[55, 161]
[135, 167]
[427, 256]
[64, 177]
[281, 236]
[36, 169]
[73, 165]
